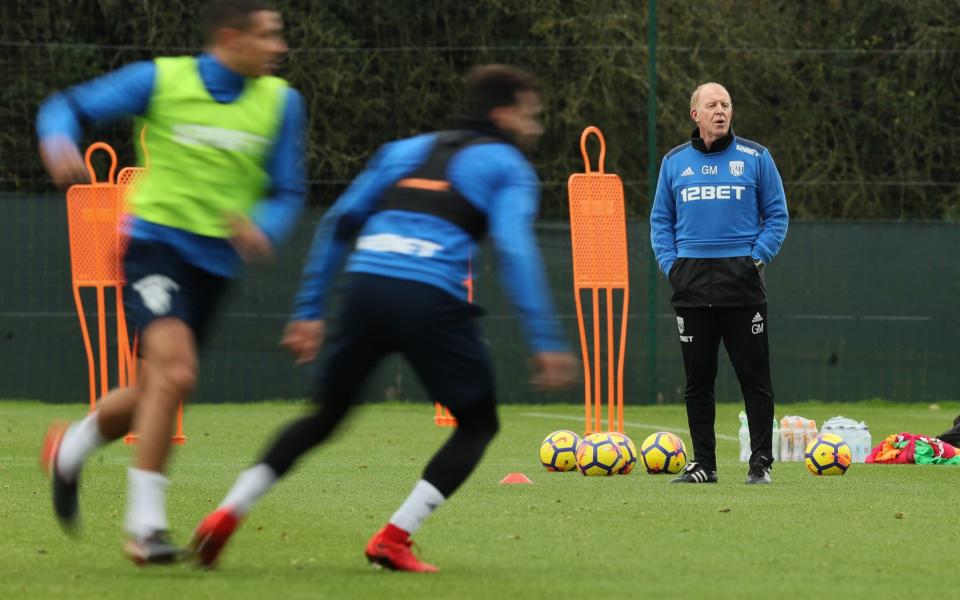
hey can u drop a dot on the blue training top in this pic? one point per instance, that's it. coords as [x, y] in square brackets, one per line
[128, 90]
[494, 177]
[718, 204]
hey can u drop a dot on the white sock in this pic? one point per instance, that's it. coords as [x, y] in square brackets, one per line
[80, 439]
[249, 487]
[420, 504]
[146, 502]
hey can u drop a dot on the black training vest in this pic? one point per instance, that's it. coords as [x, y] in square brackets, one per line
[427, 189]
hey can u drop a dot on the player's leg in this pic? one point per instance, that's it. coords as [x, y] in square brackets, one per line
[745, 337]
[351, 354]
[171, 304]
[447, 470]
[109, 422]
[700, 343]
[295, 440]
[66, 448]
[169, 375]
[440, 340]
[477, 425]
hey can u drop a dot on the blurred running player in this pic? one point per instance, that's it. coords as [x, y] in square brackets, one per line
[225, 185]
[418, 212]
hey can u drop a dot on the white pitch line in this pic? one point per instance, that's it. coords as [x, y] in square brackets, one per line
[541, 415]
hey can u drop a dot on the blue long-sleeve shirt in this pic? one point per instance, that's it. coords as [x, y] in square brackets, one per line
[495, 178]
[127, 92]
[718, 204]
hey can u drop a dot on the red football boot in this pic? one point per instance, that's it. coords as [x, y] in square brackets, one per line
[211, 536]
[396, 556]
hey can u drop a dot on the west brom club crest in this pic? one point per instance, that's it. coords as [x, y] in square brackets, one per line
[680, 324]
[736, 168]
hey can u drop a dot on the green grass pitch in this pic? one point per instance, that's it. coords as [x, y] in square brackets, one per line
[879, 531]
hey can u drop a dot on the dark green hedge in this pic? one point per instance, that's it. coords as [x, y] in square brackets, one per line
[858, 101]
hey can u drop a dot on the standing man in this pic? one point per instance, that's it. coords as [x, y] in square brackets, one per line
[418, 212]
[719, 217]
[225, 185]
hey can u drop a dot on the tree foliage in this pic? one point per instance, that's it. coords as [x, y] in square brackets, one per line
[857, 101]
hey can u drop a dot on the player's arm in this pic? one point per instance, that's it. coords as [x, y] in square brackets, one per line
[773, 211]
[274, 216]
[511, 215]
[663, 222]
[63, 116]
[331, 245]
[286, 166]
[336, 230]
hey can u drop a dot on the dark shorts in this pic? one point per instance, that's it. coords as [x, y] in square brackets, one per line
[434, 331]
[161, 284]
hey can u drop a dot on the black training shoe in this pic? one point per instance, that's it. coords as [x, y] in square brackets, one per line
[759, 474]
[694, 473]
[65, 503]
[155, 549]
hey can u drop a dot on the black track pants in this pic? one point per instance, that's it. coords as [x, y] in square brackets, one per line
[477, 424]
[436, 334]
[743, 331]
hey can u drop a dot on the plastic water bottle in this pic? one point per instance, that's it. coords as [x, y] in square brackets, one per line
[809, 434]
[798, 445]
[866, 442]
[786, 435]
[844, 432]
[786, 440]
[744, 438]
[861, 444]
[776, 440]
[853, 440]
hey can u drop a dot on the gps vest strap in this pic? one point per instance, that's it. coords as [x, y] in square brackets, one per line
[427, 190]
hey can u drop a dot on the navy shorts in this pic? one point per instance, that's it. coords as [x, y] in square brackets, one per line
[161, 284]
[434, 331]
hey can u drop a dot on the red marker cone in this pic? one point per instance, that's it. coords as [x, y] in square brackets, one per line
[515, 478]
